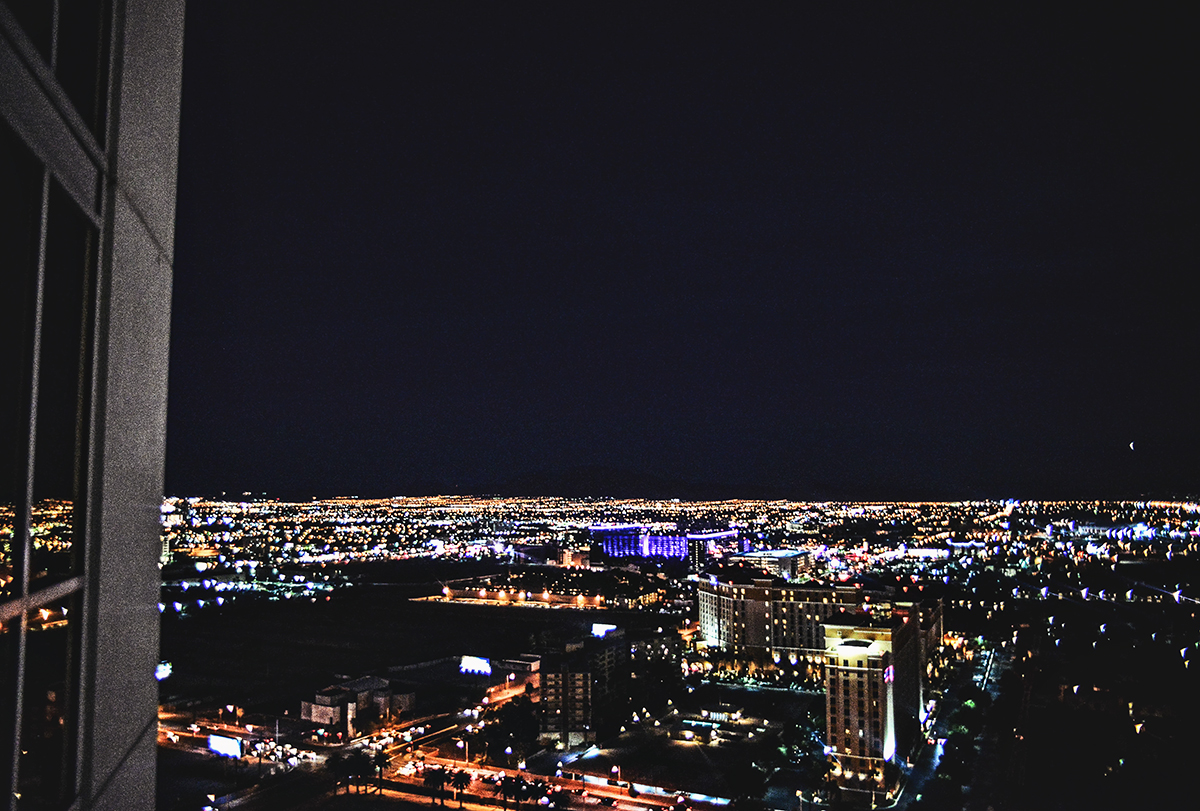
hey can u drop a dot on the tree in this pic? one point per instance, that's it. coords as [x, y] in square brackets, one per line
[380, 761]
[435, 781]
[822, 772]
[460, 780]
[745, 780]
[513, 725]
[360, 766]
[513, 787]
[340, 768]
[350, 767]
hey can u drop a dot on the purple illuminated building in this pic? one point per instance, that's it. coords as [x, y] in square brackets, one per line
[620, 540]
[666, 546]
[635, 541]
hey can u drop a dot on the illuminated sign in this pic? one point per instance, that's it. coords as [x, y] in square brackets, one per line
[474, 664]
[889, 674]
[222, 745]
[600, 629]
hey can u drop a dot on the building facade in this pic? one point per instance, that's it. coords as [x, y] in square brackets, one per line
[873, 683]
[745, 610]
[790, 564]
[636, 541]
[584, 689]
[89, 124]
[697, 553]
[352, 706]
[619, 540]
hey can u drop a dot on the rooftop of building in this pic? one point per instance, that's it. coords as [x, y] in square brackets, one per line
[770, 554]
[745, 573]
[862, 619]
[742, 574]
[364, 683]
[855, 647]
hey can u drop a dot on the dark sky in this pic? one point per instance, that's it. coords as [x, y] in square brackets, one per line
[869, 252]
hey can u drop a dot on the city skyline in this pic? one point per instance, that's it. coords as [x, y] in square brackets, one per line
[873, 253]
[853, 650]
[811, 326]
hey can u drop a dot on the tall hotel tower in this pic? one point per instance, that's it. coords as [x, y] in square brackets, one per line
[873, 679]
[89, 127]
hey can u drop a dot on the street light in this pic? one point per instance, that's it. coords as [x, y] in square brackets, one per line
[462, 744]
[617, 771]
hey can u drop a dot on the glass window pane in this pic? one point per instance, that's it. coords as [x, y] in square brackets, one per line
[44, 779]
[6, 563]
[10, 638]
[20, 221]
[36, 18]
[69, 241]
[52, 531]
[81, 60]
[65, 300]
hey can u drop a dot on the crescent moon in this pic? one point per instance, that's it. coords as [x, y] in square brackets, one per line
[1130, 446]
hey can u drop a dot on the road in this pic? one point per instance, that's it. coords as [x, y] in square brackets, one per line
[592, 795]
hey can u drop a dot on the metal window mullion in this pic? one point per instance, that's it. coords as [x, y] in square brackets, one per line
[88, 510]
[54, 37]
[91, 475]
[39, 111]
[89, 454]
[73, 704]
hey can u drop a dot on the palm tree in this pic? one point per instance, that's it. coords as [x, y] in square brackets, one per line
[338, 764]
[380, 761]
[460, 780]
[360, 766]
[826, 771]
[435, 781]
[510, 786]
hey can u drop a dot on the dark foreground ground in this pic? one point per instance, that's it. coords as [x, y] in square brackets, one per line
[271, 655]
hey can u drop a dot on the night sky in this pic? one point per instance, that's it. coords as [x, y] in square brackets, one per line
[866, 252]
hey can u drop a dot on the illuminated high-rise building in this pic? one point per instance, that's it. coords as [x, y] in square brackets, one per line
[697, 553]
[89, 126]
[873, 681]
[584, 689]
[746, 611]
